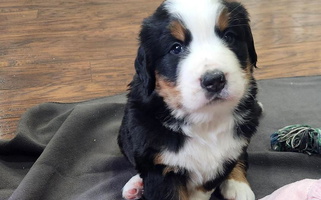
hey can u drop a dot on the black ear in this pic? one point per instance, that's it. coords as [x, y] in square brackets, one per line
[239, 16]
[251, 48]
[144, 72]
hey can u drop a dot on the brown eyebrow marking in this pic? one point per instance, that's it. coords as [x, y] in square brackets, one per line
[223, 20]
[178, 30]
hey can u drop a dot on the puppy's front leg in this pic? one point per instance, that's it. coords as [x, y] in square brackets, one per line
[236, 186]
[163, 184]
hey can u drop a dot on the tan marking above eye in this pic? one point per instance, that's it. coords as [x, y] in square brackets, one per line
[223, 20]
[178, 30]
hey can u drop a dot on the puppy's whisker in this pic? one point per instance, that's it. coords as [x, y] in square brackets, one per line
[239, 25]
[235, 9]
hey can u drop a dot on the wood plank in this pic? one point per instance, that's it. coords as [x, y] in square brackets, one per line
[33, 75]
[8, 128]
[295, 35]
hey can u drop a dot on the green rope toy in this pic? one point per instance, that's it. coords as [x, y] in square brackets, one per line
[297, 138]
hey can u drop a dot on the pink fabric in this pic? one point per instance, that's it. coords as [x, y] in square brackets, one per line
[307, 189]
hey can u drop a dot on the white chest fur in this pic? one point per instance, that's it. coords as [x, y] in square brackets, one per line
[206, 150]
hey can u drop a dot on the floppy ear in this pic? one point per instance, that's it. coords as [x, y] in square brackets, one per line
[144, 72]
[251, 48]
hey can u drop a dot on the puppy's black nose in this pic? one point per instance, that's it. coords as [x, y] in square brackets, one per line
[213, 81]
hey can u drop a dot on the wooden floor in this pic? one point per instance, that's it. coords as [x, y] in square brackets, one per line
[65, 51]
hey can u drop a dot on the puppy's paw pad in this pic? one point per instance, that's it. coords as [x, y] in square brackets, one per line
[133, 189]
[235, 190]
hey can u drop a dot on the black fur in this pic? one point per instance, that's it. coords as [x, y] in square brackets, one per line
[243, 46]
[143, 134]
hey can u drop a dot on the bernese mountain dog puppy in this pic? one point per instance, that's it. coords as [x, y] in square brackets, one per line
[192, 105]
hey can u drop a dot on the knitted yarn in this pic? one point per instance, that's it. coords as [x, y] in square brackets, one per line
[297, 138]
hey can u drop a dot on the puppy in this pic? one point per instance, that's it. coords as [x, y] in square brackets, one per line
[192, 105]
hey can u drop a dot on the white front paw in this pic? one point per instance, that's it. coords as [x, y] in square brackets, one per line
[235, 190]
[133, 189]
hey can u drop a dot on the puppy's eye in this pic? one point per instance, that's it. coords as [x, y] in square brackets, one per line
[229, 37]
[176, 49]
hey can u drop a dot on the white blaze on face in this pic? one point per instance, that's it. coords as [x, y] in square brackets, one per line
[206, 52]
